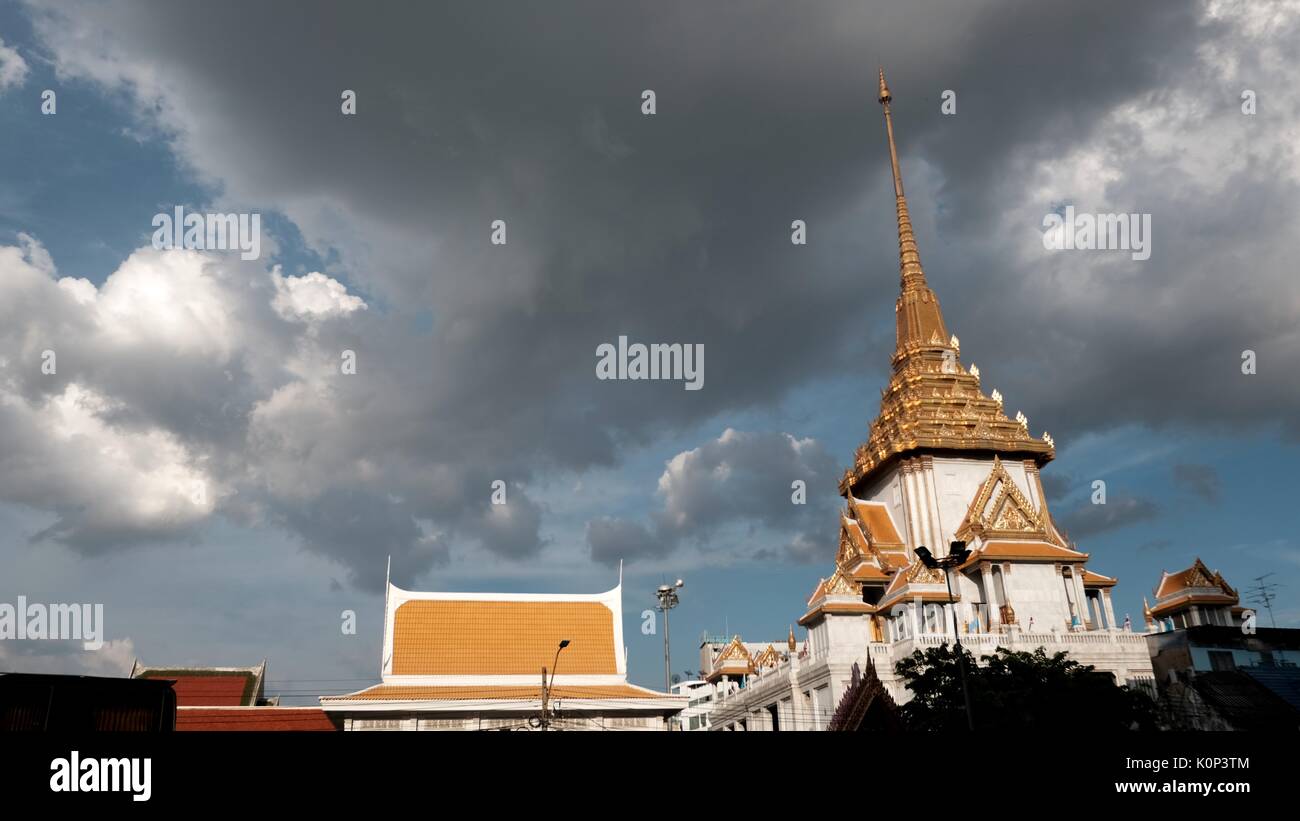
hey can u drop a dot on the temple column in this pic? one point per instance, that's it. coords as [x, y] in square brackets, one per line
[1080, 595]
[1110, 608]
[910, 506]
[990, 598]
[922, 510]
[939, 547]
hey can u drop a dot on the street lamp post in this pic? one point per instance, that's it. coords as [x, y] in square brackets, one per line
[546, 686]
[667, 595]
[957, 555]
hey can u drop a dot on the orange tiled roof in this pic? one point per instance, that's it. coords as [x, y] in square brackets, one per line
[835, 609]
[1198, 575]
[878, 522]
[868, 572]
[483, 637]
[1091, 579]
[401, 692]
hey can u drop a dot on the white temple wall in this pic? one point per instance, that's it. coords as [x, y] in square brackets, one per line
[1037, 591]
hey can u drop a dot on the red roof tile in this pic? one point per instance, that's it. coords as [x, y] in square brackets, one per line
[208, 691]
[277, 719]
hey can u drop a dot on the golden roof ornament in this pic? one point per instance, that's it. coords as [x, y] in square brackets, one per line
[975, 370]
[996, 396]
[1022, 419]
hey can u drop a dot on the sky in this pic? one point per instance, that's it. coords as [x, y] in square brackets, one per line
[199, 463]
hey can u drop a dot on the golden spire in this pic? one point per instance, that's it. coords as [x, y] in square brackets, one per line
[920, 322]
[931, 402]
[790, 641]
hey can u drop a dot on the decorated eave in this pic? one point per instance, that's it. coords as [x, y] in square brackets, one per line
[935, 404]
[917, 582]
[932, 402]
[1195, 585]
[572, 697]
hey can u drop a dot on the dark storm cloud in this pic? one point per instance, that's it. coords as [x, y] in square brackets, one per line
[361, 532]
[675, 228]
[621, 540]
[1058, 485]
[1088, 519]
[764, 486]
[1200, 480]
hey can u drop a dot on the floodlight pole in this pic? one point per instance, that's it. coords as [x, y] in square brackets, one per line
[957, 554]
[667, 595]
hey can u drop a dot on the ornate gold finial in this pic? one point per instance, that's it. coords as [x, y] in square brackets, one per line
[919, 318]
[975, 370]
[790, 642]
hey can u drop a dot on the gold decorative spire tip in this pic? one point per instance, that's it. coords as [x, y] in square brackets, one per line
[884, 89]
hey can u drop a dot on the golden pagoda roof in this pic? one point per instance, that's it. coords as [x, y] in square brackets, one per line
[931, 401]
[1195, 585]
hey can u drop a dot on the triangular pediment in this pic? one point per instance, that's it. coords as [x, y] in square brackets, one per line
[839, 584]
[734, 651]
[850, 552]
[1001, 510]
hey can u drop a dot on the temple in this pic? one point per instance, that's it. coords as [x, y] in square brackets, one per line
[1192, 597]
[942, 463]
[494, 661]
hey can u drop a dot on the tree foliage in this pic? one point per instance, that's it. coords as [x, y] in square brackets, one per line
[1016, 691]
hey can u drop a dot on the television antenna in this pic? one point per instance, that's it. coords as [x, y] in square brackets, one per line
[1262, 593]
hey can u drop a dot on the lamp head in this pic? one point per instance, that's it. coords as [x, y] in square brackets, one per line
[958, 551]
[927, 559]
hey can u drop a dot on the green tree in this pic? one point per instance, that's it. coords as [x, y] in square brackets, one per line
[1016, 691]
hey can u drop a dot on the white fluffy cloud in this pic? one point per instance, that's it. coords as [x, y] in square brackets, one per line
[13, 68]
[104, 390]
[68, 657]
[313, 296]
